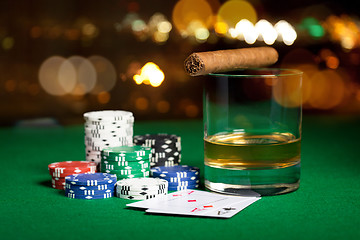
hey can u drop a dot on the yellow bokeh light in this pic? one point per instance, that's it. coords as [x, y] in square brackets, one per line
[221, 28]
[266, 31]
[286, 31]
[10, 85]
[191, 110]
[141, 103]
[164, 27]
[151, 74]
[49, 76]
[103, 97]
[163, 106]
[8, 43]
[90, 30]
[245, 30]
[187, 11]
[231, 12]
[329, 90]
[160, 37]
[202, 34]
[287, 91]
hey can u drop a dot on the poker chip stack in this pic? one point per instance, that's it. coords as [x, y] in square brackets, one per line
[180, 177]
[59, 170]
[107, 129]
[141, 188]
[166, 148]
[90, 186]
[126, 161]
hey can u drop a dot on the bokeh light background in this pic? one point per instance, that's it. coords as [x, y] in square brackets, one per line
[62, 58]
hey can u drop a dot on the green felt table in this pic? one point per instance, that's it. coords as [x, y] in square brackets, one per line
[326, 206]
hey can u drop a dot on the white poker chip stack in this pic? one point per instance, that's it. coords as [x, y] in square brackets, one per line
[108, 128]
[141, 188]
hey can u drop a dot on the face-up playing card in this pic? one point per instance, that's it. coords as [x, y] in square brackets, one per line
[197, 203]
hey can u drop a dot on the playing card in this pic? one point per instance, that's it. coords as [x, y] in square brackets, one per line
[197, 203]
[226, 211]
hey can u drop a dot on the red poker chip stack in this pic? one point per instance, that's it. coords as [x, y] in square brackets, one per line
[59, 170]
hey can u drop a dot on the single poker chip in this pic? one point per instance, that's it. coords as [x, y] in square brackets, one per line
[92, 179]
[183, 184]
[138, 175]
[128, 171]
[108, 128]
[88, 192]
[99, 145]
[139, 197]
[110, 123]
[88, 197]
[133, 168]
[115, 131]
[179, 188]
[181, 180]
[166, 154]
[62, 169]
[124, 164]
[165, 164]
[106, 139]
[58, 181]
[121, 160]
[107, 115]
[126, 151]
[141, 193]
[181, 171]
[141, 184]
[90, 188]
[59, 187]
[153, 139]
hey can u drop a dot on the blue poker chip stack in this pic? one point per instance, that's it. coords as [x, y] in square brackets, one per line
[90, 186]
[180, 177]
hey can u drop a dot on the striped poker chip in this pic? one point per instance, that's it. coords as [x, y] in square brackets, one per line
[108, 115]
[128, 171]
[124, 158]
[139, 197]
[63, 169]
[179, 188]
[131, 164]
[101, 187]
[180, 171]
[88, 197]
[194, 180]
[141, 184]
[92, 179]
[163, 163]
[126, 151]
[156, 139]
[124, 168]
[141, 193]
[130, 176]
[88, 192]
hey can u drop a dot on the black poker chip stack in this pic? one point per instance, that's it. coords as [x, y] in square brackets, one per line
[166, 148]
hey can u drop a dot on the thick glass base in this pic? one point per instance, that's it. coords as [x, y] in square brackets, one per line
[265, 182]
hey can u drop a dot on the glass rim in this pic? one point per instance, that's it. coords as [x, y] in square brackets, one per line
[283, 73]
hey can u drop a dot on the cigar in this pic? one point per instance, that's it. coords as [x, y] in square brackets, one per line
[202, 63]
